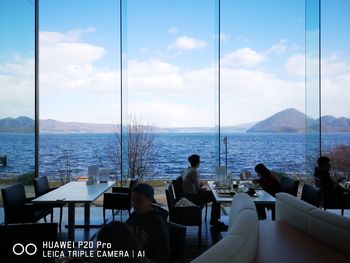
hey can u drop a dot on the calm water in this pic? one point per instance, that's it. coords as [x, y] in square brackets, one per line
[282, 152]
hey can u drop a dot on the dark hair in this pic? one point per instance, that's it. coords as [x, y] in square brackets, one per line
[144, 189]
[323, 160]
[120, 236]
[261, 169]
[194, 159]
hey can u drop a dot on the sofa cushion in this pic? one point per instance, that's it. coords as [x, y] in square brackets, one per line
[331, 229]
[280, 242]
[240, 202]
[247, 226]
[293, 211]
[229, 249]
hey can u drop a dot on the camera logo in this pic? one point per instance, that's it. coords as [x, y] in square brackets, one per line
[30, 249]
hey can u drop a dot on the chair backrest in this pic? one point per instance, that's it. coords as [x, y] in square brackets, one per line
[177, 183]
[177, 241]
[14, 198]
[311, 195]
[289, 185]
[170, 196]
[13, 195]
[41, 185]
[93, 169]
[24, 234]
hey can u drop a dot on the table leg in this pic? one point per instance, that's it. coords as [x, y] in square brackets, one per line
[86, 214]
[71, 221]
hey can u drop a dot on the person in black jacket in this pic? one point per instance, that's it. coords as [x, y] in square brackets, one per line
[149, 225]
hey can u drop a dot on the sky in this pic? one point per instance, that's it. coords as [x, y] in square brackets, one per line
[170, 50]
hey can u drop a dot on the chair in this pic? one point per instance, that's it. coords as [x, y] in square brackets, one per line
[41, 187]
[289, 185]
[311, 195]
[119, 199]
[331, 200]
[17, 207]
[187, 216]
[177, 242]
[34, 233]
[177, 184]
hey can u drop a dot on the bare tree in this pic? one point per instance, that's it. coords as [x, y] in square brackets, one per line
[140, 146]
[340, 156]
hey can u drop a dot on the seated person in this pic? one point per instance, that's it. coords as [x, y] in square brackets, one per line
[330, 186]
[121, 238]
[149, 225]
[270, 184]
[193, 191]
[267, 180]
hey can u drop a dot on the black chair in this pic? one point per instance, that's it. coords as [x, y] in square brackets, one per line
[289, 185]
[332, 199]
[187, 216]
[17, 207]
[311, 195]
[177, 242]
[178, 190]
[41, 187]
[119, 199]
[34, 234]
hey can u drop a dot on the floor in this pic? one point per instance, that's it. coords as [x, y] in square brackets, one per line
[192, 250]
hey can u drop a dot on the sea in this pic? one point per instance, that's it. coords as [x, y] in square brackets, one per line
[61, 154]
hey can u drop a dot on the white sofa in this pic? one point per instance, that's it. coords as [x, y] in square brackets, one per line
[241, 242]
[301, 233]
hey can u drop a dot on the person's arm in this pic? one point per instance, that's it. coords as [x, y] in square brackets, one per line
[195, 179]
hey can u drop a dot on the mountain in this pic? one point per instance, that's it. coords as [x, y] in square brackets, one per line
[292, 120]
[333, 124]
[59, 126]
[289, 120]
[20, 124]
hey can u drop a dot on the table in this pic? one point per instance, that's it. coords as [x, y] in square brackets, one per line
[72, 193]
[263, 198]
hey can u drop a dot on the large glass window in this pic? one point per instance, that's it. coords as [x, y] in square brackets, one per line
[17, 84]
[263, 84]
[79, 86]
[335, 72]
[171, 80]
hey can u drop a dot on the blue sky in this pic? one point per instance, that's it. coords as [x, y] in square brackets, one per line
[171, 49]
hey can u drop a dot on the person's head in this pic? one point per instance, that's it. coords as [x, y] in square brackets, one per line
[324, 163]
[121, 238]
[142, 197]
[262, 170]
[194, 160]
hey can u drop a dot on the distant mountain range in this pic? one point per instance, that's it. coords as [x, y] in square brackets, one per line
[294, 121]
[289, 120]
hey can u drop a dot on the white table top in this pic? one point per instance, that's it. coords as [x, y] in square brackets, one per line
[75, 192]
[262, 198]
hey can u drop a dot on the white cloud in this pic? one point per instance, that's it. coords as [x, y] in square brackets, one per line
[242, 57]
[188, 43]
[278, 48]
[295, 65]
[173, 30]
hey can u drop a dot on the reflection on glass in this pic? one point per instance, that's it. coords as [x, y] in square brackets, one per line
[312, 84]
[17, 92]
